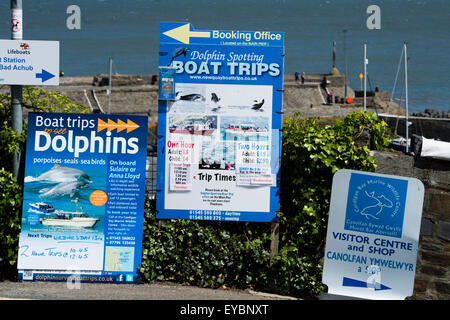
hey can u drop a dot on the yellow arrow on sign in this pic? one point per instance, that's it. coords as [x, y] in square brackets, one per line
[120, 125]
[183, 33]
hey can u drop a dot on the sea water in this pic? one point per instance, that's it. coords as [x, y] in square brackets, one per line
[128, 31]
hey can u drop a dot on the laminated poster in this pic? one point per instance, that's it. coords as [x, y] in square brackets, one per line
[83, 200]
[166, 83]
[219, 138]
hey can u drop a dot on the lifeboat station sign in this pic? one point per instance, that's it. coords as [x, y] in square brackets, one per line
[219, 136]
[373, 234]
[29, 62]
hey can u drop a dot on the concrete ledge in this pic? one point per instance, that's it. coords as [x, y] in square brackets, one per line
[431, 128]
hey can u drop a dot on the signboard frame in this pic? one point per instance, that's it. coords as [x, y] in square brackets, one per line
[212, 68]
[29, 62]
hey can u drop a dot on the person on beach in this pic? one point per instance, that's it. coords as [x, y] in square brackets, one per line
[296, 76]
[303, 77]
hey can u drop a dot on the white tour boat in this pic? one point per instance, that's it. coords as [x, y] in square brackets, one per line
[69, 219]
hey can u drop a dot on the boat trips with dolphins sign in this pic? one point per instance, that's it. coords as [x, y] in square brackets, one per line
[83, 202]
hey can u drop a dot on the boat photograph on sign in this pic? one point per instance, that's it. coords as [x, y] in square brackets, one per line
[70, 219]
[197, 125]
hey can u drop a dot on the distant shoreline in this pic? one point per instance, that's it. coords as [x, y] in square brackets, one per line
[136, 82]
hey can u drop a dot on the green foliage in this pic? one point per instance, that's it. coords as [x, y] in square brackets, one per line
[357, 122]
[10, 204]
[10, 140]
[208, 254]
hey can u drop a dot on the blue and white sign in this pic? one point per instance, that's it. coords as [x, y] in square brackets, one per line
[219, 138]
[376, 206]
[372, 236]
[29, 62]
[83, 199]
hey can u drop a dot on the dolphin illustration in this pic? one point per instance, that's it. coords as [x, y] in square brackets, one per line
[178, 52]
[62, 189]
[214, 97]
[258, 106]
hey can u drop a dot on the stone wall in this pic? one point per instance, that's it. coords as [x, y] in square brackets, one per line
[335, 80]
[433, 258]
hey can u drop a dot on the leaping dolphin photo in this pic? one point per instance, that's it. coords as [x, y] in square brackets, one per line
[60, 181]
[258, 106]
[60, 173]
[64, 189]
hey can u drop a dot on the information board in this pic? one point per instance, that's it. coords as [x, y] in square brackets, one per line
[219, 138]
[373, 234]
[83, 200]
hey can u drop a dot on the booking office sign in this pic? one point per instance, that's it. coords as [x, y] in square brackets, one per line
[83, 199]
[219, 136]
[372, 236]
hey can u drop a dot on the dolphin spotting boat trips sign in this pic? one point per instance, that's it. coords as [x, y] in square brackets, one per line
[83, 198]
[219, 136]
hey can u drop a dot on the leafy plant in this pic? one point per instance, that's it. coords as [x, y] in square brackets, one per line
[40, 100]
[208, 254]
[357, 123]
[10, 204]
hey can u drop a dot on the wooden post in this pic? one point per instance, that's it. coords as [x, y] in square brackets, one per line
[275, 233]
